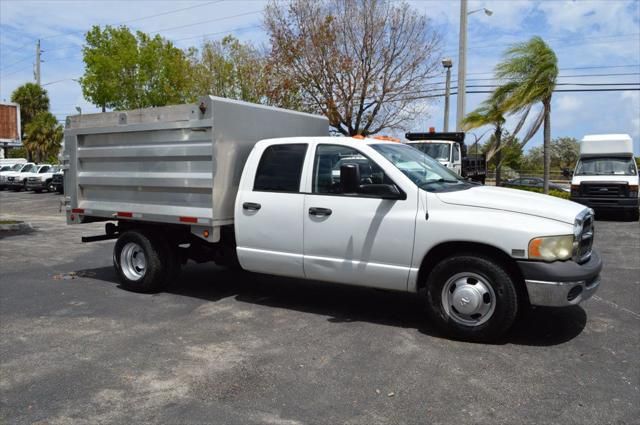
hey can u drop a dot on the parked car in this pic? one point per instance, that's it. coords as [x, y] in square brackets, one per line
[15, 174]
[392, 218]
[41, 180]
[532, 182]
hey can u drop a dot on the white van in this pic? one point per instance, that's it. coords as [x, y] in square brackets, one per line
[606, 176]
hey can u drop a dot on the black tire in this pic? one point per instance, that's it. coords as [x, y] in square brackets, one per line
[157, 261]
[494, 287]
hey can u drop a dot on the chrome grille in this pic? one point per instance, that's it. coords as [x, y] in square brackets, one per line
[605, 190]
[585, 238]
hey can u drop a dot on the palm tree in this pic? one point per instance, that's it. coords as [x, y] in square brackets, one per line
[32, 99]
[529, 72]
[490, 112]
[43, 136]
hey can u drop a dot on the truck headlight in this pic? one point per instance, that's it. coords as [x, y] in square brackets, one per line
[551, 248]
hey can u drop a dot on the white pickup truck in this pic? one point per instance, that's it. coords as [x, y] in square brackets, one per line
[14, 178]
[183, 184]
[41, 180]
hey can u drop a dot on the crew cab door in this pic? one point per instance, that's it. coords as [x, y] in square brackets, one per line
[269, 211]
[352, 238]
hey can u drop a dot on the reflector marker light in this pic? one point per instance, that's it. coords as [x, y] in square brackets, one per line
[78, 210]
[188, 219]
[124, 214]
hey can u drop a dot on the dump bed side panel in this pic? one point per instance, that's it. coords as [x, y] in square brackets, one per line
[155, 164]
[175, 164]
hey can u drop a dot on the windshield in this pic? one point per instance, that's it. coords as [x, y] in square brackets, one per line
[5, 168]
[28, 169]
[424, 171]
[439, 151]
[606, 167]
[17, 167]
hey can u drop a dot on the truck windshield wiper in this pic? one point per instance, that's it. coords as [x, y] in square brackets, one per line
[440, 180]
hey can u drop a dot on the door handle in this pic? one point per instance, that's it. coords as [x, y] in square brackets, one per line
[251, 206]
[320, 212]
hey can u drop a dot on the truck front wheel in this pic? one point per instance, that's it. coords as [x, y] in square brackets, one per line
[142, 261]
[471, 297]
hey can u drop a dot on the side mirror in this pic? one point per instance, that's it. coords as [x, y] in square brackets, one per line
[349, 178]
[384, 191]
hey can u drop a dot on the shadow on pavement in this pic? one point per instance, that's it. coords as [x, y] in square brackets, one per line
[343, 304]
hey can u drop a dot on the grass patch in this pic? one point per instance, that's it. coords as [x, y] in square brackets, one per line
[10, 222]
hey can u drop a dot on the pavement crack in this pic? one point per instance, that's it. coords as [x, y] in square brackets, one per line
[616, 306]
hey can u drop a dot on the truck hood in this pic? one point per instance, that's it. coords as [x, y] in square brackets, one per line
[514, 200]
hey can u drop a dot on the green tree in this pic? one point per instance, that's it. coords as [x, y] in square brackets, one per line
[128, 71]
[533, 161]
[32, 99]
[490, 112]
[231, 69]
[529, 72]
[511, 154]
[565, 152]
[43, 136]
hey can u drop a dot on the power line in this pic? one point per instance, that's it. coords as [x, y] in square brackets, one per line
[168, 12]
[207, 21]
[15, 63]
[555, 91]
[566, 44]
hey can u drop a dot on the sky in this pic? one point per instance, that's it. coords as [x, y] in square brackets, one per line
[597, 42]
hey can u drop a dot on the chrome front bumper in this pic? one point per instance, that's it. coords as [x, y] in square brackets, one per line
[560, 294]
[561, 283]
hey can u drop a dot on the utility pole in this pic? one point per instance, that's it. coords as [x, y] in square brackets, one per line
[462, 60]
[462, 65]
[37, 70]
[447, 63]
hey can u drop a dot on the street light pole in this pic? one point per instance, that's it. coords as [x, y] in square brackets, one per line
[462, 65]
[447, 63]
[462, 61]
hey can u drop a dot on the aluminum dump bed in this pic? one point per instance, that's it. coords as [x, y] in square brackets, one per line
[174, 164]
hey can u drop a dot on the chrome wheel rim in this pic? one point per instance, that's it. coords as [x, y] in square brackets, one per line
[133, 261]
[468, 299]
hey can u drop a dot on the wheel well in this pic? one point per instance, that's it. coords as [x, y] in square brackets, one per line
[444, 250]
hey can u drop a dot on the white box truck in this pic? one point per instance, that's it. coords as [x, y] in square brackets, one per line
[606, 176]
[196, 183]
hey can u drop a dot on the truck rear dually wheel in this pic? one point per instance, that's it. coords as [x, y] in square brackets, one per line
[471, 297]
[142, 261]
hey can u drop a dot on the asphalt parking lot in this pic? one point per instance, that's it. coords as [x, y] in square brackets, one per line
[233, 347]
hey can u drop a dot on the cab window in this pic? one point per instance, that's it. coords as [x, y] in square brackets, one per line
[280, 168]
[327, 163]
